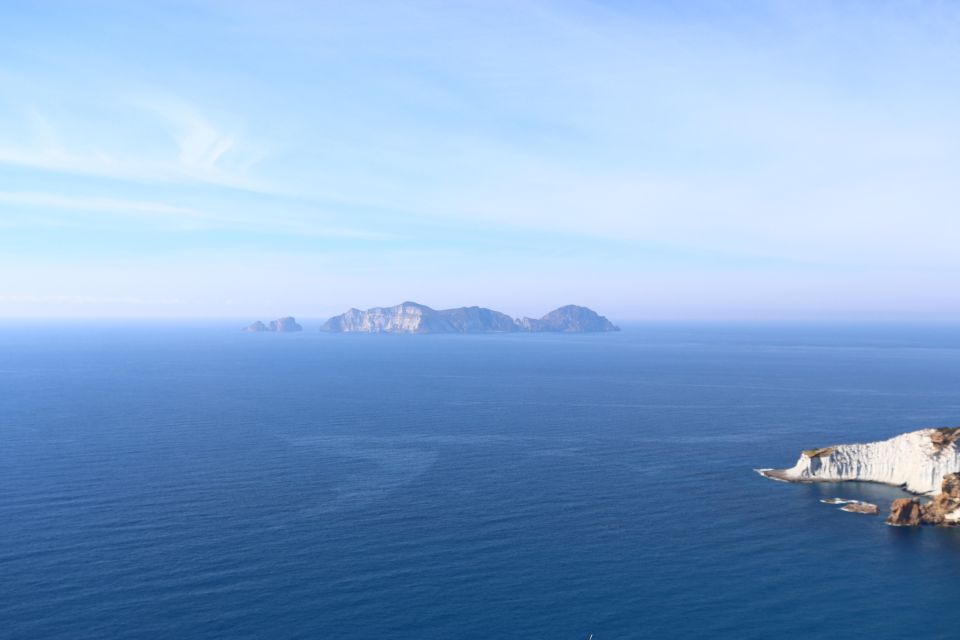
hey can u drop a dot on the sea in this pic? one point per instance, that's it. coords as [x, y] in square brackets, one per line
[187, 480]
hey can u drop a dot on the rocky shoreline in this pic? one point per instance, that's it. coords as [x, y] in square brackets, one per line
[924, 462]
[942, 511]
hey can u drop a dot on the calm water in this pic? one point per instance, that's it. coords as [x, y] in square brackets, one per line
[176, 482]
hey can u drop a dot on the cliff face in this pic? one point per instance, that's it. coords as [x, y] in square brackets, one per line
[918, 461]
[411, 317]
[407, 317]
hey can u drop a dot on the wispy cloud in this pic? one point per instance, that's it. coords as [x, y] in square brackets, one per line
[429, 144]
[178, 145]
[86, 203]
[255, 218]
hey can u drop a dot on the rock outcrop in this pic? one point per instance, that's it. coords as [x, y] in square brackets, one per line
[857, 506]
[917, 461]
[951, 486]
[905, 512]
[411, 317]
[944, 509]
[280, 325]
[853, 506]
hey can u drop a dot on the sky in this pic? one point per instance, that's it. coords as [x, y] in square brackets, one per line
[704, 160]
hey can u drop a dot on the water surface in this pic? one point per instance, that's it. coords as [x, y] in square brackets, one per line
[191, 481]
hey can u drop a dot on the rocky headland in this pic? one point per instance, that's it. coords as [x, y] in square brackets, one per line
[412, 317]
[924, 462]
[280, 325]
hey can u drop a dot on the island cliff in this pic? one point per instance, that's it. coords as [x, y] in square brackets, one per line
[411, 317]
[917, 461]
[922, 462]
[280, 325]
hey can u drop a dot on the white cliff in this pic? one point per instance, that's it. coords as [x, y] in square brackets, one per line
[917, 461]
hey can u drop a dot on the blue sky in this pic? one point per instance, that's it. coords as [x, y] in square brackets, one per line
[696, 160]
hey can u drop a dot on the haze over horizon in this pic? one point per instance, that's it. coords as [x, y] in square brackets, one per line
[698, 161]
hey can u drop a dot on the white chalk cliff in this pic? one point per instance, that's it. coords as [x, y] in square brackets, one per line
[917, 461]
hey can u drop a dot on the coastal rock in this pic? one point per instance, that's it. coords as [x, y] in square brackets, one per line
[917, 461]
[856, 506]
[853, 506]
[412, 317]
[905, 512]
[945, 436]
[256, 327]
[944, 509]
[951, 486]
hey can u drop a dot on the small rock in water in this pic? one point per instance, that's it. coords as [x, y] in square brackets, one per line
[855, 506]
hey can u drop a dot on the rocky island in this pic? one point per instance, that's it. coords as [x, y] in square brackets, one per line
[280, 325]
[924, 462]
[411, 317]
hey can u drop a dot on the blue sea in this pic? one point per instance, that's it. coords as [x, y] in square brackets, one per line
[178, 480]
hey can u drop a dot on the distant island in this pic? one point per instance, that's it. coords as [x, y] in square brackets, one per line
[411, 317]
[280, 325]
